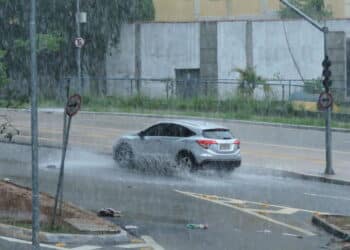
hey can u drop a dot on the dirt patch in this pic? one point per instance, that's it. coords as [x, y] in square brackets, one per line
[342, 222]
[16, 205]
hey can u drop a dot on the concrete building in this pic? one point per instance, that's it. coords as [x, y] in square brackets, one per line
[199, 10]
[189, 51]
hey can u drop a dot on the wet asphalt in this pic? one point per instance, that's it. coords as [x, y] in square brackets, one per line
[151, 201]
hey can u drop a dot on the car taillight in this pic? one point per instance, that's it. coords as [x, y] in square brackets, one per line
[206, 143]
[237, 143]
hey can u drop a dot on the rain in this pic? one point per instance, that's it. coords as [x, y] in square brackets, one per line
[162, 124]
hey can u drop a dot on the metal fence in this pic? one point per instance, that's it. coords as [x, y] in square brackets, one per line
[281, 90]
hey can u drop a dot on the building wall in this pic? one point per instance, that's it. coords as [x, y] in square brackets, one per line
[268, 46]
[193, 10]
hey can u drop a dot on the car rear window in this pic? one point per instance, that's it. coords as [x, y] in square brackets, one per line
[223, 134]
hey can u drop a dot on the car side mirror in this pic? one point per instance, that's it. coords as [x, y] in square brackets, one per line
[142, 134]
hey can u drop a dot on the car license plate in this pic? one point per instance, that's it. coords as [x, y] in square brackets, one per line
[225, 146]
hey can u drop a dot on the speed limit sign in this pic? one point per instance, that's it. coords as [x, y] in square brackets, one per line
[79, 42]
[73, 105]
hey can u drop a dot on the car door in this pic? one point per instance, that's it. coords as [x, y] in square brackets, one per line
[150, 142]
[174, 139]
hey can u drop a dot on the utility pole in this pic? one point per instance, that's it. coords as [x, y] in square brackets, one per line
[77, 19]
[329, 169]
[34, 131]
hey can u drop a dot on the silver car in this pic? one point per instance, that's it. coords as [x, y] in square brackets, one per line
[192, 144]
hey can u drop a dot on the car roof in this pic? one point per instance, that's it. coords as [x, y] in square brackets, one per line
[194, 124]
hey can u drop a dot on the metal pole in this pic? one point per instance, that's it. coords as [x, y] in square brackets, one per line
[77, 17]
[34, 132]
[329, 169]
[60, 179]
[289, 89]
[303, 15]
[63, 145]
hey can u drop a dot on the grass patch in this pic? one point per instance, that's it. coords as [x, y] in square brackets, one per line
[44, 227]
[234, 108]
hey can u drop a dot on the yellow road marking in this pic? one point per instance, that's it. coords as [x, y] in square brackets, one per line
[221, 201]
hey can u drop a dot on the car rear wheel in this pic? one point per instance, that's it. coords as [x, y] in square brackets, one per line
[123, 154]
[185, 160]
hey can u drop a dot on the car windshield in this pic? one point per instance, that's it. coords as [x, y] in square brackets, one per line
[223, 134]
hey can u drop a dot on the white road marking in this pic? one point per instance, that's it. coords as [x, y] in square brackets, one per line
[328, 196]
[29, 243]
[226, 202]
[86, 248]
[131, 246]
[152, 242]
[149, 242]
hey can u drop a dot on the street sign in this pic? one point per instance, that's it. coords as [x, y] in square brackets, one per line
[325, 101]
[73, 105]
[79, 42]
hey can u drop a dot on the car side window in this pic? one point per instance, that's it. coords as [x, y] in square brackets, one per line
[175, 130]
[172, 130]
[154, 131]
[185, 132]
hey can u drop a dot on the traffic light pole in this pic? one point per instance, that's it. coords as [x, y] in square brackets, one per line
[329, 170]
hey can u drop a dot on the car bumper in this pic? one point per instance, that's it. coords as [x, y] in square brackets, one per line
[205, 158]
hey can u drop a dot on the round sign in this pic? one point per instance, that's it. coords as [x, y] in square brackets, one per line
[325, 100]
[79, 42]
[73, 105]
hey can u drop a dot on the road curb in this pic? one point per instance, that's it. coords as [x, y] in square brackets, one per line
[330, 228]
[52, 238]
[267, 124]
[306, 176]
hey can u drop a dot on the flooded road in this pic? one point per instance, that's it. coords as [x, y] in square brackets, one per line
[247, 209]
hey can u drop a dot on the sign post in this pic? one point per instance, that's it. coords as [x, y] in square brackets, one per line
[71, 109]
[326, 82]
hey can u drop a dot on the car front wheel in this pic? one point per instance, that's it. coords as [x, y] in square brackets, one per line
[123, 154]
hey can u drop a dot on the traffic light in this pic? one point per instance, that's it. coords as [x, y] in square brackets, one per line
[327, 73]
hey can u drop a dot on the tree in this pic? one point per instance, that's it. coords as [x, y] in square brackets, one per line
[314, 8]
[3, 74]
[249, 80]
[56, 33]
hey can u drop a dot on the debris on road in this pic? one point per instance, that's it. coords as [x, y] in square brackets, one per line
[109, 212]
[293, 235]
[266, 231]
[197, 226]
[7, 180]
[133, 230]
[51, 166]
